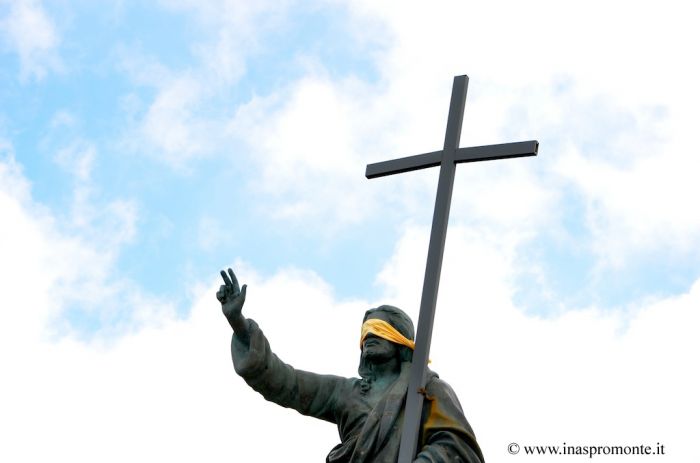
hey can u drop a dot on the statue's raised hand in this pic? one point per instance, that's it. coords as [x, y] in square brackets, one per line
[232, 299]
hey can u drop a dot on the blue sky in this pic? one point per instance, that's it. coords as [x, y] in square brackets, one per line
[145, 147]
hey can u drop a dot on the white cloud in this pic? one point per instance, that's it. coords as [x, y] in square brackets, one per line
[308, 150]
[31, 33]
[111, 224]
[174, 127]
[21, 265]
[177, 126]
[626, 52]
[169, 123]
[645, 206]
[71, 258]
[237, 28]
[77, 158]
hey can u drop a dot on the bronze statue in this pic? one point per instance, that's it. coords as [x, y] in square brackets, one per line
[367, 410]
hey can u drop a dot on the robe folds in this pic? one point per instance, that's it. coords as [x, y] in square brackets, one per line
[369, 426]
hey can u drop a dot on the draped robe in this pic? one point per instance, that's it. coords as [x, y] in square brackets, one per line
[369, 426]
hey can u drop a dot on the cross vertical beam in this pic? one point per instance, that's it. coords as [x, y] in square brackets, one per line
[431, 281]
[447, 159]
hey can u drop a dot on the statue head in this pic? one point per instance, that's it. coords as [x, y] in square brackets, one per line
[376, 348]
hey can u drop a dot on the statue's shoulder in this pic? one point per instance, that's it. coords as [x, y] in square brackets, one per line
[352, 388]
[353, 385]
[436, 386]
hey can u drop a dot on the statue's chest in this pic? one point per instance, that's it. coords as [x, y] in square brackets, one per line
[357, 407]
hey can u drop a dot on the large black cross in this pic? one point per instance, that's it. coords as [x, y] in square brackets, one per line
[446, 158]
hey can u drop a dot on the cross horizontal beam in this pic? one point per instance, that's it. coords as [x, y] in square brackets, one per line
[470, 154]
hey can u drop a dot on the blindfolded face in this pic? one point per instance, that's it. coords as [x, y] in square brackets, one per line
[377, 349]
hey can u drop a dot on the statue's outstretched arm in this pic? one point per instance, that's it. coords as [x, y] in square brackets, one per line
[308, 393]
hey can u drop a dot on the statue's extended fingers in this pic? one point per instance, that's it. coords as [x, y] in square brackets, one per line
[236, 288]
[227, 280]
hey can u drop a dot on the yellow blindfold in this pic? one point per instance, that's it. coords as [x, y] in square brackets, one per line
[385, 331]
